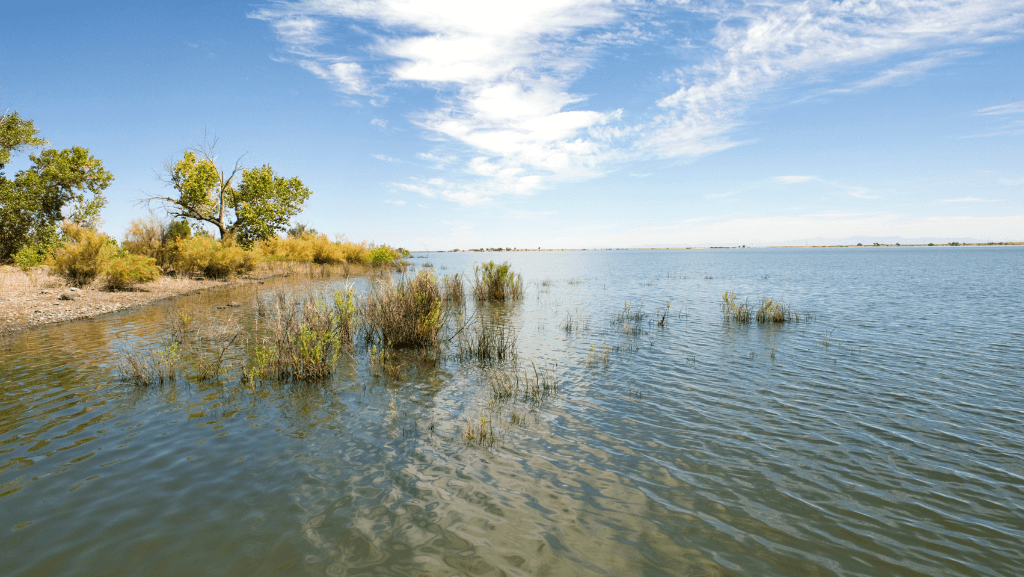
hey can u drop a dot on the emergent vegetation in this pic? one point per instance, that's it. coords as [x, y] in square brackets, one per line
[497, 282]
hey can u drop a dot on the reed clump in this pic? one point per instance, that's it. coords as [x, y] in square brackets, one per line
[407, 313]
[497, 283]
[454, 289]
[733, 310]
[771, 310]
[527, 384]
[306, 338]
[486, 342]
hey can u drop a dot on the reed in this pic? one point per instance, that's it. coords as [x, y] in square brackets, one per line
[497, 283]
[575, 323]
[486, 342]
[528, 384]
[630, 319]
[733, 310]
[407, 313]
[149, 370]
[454, 289]
[771, 310]
[306, 338]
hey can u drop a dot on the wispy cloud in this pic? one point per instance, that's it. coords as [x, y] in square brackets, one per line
[1011, 108]
[760, 45]
[379, 123]
[385, 158]
[396, 202]
[504, 71]
[971, 199]
[862, 194]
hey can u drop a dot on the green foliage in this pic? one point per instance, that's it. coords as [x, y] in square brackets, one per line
[381, 255]
[211, 258]
[34, 201]
[84, 257]
[155, 238]
[497, 282]
[29, 256]
[260, 206]
[406, 313]
[125, 270]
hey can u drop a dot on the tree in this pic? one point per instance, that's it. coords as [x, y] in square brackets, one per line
[34, 201]
[260, 206]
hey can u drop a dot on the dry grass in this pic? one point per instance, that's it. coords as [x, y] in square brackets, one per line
[453, 289]
[771, 310]
[486, 342]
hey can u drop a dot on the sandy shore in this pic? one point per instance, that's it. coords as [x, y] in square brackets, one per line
[38, 298]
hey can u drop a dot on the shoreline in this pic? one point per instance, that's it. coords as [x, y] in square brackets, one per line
[873, 245]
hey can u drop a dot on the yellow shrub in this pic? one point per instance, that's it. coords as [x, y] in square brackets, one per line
[85, 255]
[313, 248]
[211, 258]
[126, 270]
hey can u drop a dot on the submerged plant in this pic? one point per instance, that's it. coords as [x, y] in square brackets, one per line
[403, 314]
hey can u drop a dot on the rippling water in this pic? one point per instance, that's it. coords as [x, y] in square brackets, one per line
[880, 435]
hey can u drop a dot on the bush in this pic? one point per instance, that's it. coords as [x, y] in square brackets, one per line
[381, 255]
[126, 270]
[30, 256]
[313, 248]
[155, 238]
[85, 255]
[211, 258]
[497, 282]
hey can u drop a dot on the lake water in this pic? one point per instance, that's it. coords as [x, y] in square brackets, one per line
[883, 434]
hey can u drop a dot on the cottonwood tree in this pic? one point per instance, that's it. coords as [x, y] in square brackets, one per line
[34, 201]
[260, 205]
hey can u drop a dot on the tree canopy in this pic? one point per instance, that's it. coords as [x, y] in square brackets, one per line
[259, 206]
[33, 202]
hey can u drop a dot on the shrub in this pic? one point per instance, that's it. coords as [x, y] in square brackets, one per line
[406, 313]
[126, 270]
[30, 256]
[84, 257]
[211, 258]
[381, 255]
[775, 311]
[155, 238]
[313, 248]
[497, 282]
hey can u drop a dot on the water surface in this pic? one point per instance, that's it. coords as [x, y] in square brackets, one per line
[880, 435]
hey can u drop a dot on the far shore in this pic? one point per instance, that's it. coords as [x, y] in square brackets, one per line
[872, 245]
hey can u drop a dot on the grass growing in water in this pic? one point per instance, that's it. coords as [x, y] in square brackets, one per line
[486, 342]
[497, 282]
[407, 313]
[453, 289]
[735, 310]
[772, 310]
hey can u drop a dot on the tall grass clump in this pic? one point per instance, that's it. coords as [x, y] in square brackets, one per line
[453, 289]
[486, 342]
[497, 282]
[733, 310]
[306, 338]
[84, 257]
[772, 310]
[407, 313]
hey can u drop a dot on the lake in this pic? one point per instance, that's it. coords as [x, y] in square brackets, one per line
[881, 434]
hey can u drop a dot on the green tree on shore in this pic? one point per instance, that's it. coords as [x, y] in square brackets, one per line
[260, 206]
[32, 203]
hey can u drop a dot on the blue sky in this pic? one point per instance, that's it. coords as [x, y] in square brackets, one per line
[555, 123]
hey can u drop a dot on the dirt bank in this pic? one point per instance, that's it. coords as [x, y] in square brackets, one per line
[38, 298]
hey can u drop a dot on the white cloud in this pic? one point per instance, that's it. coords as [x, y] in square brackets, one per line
[971, 199]
[385, 158]
[1011, 108]
[862, 194]
[396, 202]
[379, 123]
[346, 76]
[761, 44]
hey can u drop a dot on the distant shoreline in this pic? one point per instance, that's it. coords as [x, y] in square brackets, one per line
[872, 245]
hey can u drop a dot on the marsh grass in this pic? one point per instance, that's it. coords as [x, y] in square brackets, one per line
[661, 314]
[384, 362]
[733, 310]
[144, 370]
[482, 433]
[497, 283]
[306, 337]
[406, 313]
[575, 323]
[453, 289]
[599, 355]
[511, 383]
[482, 341]
[630, 319]
[771, 310]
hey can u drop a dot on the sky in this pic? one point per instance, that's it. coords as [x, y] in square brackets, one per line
[435, 125]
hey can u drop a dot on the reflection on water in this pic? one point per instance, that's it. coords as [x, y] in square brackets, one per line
[883, 436]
